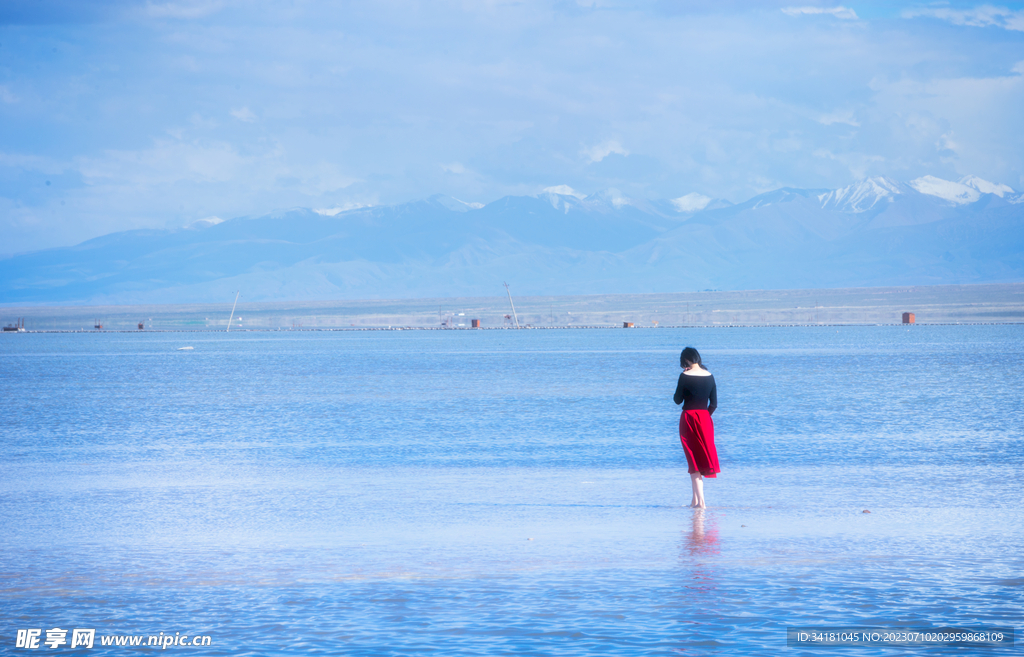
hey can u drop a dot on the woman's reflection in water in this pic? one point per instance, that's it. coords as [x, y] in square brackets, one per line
[699, 596]
[703, 536]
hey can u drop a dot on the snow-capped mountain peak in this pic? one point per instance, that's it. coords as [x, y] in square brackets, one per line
[861, 196]
[562, 197]
[986, 187]
[954, 192]
[610, 195]
[453, 204]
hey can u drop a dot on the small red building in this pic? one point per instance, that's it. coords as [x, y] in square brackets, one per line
[908, 318]
[475, 323]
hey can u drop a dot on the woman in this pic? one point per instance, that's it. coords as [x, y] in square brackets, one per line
[697, 392]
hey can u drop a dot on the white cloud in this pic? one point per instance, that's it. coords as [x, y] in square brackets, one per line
[564, 190]
[205, 222]
[344, 207]
[839, 116]
[38, 163]
[6, 95]
[983, 16]
[243, 114]
[844, 13]
[193, 9]
[946, 143]
[613, 196]
[964, 123]
[526, 93]
[166, 162]
[692, 202]
[858, 164]
[601, 151]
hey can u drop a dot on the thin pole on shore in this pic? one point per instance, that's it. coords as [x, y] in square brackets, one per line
[230, 319]
[514, 316]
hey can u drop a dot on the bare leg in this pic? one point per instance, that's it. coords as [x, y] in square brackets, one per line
[697, 481]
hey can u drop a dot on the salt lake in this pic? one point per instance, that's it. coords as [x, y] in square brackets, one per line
[503, 492]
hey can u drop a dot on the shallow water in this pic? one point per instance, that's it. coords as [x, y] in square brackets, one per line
[376, 493]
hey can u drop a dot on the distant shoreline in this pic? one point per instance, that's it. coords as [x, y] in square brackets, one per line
[492, 328]
[995, 304]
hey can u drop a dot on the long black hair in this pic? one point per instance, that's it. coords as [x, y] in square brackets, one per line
[690, 356]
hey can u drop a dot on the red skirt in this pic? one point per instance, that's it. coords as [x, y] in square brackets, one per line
[697, 434]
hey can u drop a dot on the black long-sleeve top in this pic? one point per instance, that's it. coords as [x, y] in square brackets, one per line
[696, 393]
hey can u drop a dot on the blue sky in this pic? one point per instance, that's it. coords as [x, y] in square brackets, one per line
[118, 115]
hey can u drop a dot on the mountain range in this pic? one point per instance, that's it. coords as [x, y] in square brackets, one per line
[875, 232]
